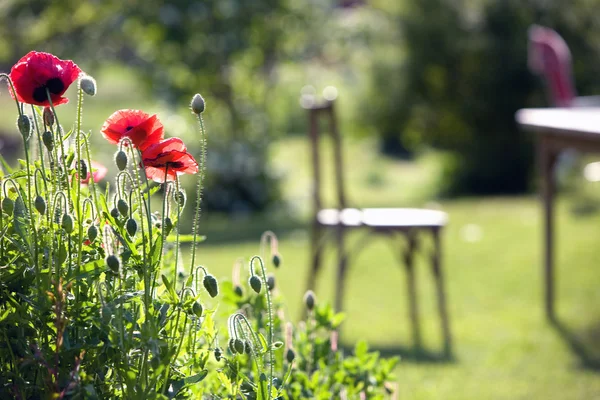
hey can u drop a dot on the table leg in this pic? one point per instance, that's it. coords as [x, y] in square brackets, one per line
[413, 304]
[547, 159]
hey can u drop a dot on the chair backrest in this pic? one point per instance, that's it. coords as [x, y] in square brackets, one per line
[550, 57]
[315, 112]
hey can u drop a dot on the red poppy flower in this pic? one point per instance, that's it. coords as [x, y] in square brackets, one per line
[37, 72]
[165, 160]
[141, 128]
[98, 172]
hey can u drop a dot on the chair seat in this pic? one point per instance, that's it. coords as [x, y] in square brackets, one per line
[383, 217]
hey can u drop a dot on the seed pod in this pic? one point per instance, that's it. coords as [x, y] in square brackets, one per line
[123, 207]
[88, 85]
[180, 197]
[218, 354]
[276, 260]
[309, 300]
[114, 213]
[198, 105]
[121, 160]
[239, 346]
[255, 283]
[40, 205]
[83, 169]
[271, 281]
[24, 125]
[131, 227]
[48, 140]
[92, 233]
[197, 309]
[8, 205]
[211, 285]
[238, 290]
[113, 263]
[48, 116]
[67, 223]
[231, 345]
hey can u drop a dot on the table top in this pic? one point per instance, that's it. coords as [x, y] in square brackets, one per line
[578, 121]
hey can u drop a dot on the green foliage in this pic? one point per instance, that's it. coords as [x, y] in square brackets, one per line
[83, 313]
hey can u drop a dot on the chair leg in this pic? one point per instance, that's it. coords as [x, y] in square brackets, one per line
[341, 271]
[409, 252]
[441, 295]
[316, 255]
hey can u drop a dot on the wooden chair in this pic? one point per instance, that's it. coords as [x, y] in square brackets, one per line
[549, 57]
[408, 223]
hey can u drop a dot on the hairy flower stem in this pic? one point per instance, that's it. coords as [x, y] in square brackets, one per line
[199, 185]
[62, 149]
[39, 139]
[176, 232]
[147, 271]
[269, 307]
[78, 208]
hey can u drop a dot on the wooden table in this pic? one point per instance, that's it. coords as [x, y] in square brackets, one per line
[557, 129]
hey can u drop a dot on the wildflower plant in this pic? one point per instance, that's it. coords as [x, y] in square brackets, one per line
[92, 300]
[86, 309]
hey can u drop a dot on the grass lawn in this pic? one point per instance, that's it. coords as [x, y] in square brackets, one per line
[503, 346]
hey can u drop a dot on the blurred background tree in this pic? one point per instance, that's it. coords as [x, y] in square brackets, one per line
[447, 74]
[466, 76]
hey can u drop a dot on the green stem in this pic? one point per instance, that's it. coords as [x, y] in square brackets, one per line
[78, 207]
[271, 335]
[177, 230]
[201, 174]
[62, 149]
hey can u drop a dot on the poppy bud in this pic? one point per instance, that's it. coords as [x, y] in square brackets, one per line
[113, 263]
[168, 225]
[131, 227]
[211, 285]
[276, 382]
[92, 233]
[239, 346]
[197, 309]
[121, 160]
[290, 355]
[197, 104]
[271, 281]
[248, 346]
[123, 207]
[309, 300]
[48, 140]
[83, 169]
[48, 116]
[24, 125]
[40, 205]
[276, 260]
[218, 353]
[88, 85]
[67, 223]
[238, 290]
[180, 198]
[255, 283]
[114, 213]
[231, 345]
[8, 205]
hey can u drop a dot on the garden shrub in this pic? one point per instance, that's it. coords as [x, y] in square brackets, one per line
[95, 301]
